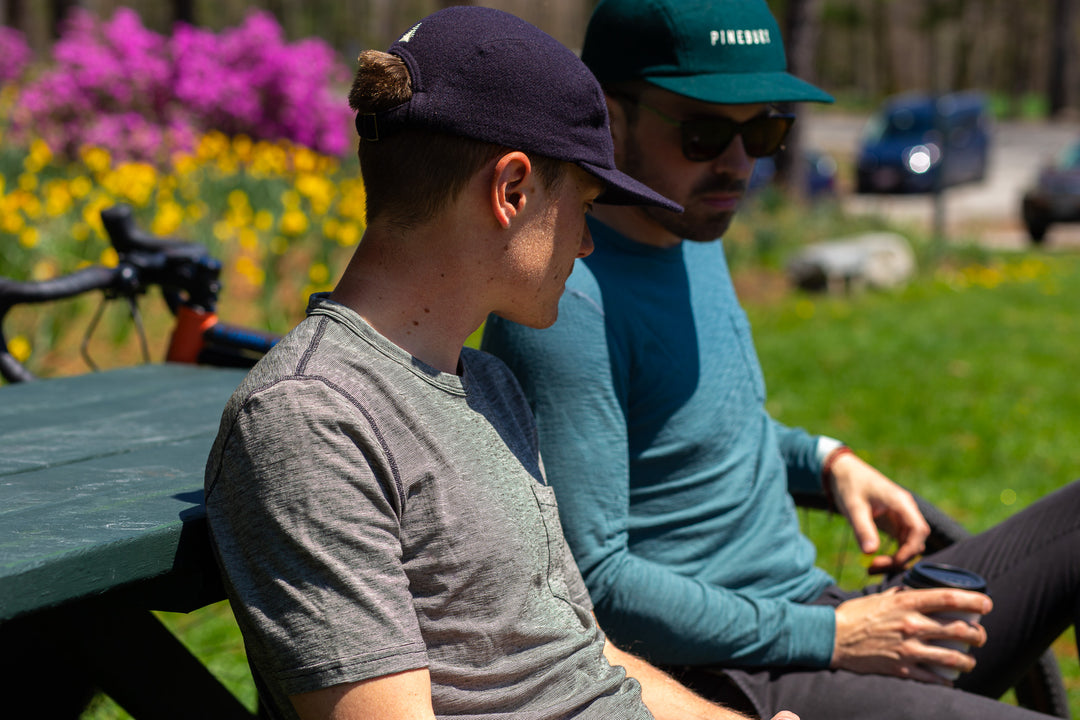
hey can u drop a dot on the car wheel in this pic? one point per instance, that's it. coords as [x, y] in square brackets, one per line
[1037, 230]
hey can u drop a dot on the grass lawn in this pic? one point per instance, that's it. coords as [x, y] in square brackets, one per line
[963, 387]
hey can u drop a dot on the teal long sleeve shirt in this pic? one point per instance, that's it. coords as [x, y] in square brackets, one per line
[672, 480]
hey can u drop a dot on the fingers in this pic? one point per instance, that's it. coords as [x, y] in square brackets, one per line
[913, 540]
[945, 663]
[785, 715]
[933, 601]
[861, 519]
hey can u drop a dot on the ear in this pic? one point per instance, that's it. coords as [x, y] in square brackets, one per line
[620, 128]
[510, 179]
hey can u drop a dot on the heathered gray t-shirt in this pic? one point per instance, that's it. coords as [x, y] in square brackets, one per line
[373, 515]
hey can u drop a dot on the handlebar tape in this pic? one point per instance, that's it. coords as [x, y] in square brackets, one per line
[13, 292]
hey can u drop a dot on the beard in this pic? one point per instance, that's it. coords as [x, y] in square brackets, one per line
[698, 221]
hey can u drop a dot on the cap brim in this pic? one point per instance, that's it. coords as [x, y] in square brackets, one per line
[621, 189]
[738, 88]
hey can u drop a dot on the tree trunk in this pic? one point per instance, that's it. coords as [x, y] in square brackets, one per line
[802, 26]
[1061, 19]
[184, 11]
[60, 9]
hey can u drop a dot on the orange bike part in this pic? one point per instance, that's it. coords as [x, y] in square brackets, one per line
[187, 338]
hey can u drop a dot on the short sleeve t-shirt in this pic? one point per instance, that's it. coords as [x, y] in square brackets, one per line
[373, 515]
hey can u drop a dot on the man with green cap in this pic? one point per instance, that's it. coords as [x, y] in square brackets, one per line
[674, 483]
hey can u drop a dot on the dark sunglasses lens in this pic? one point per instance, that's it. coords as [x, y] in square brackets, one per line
[764, 135]
[706, 139]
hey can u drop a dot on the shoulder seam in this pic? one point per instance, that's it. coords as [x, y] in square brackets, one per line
[399, 486]
[313, 345]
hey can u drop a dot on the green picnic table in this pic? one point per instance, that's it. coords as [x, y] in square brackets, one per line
[101, 521]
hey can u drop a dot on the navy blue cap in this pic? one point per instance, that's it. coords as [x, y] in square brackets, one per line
[487, 75]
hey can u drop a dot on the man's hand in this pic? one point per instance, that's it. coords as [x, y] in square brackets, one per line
[871, 502]
[888, 633]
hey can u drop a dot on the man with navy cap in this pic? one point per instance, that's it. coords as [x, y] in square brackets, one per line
[674, 482]
[375, 494]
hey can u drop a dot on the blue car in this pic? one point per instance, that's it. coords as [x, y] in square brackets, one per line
[908, 142]
[820, 177]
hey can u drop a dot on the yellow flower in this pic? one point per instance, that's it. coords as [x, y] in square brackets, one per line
[168, 219]
[227, 164]
[269, 159]
[196, 211]
[44, 269]
[319, 273]
[30, 205]
[92, 214]
[264, 220]
[293, 223]
[348, 234]
[212, 145]
[249, 240]
[238, 199]
[184, 164]
[80, 186]
[223, 231]
[58, 198]
[109, 258]
[28, 181]
[318, 190]
[241, 145]
[305, 160]
[249, 270]
[96, 159]
[290, 199]
[353, 200]
[12, 222]
[19, 347]
[28, 238]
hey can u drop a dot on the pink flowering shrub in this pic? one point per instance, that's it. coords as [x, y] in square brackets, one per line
[14, 54]
[143, 96]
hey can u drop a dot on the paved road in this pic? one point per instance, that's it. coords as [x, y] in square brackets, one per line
[990, 208]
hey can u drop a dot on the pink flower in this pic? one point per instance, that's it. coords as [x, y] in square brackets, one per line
[143, 96]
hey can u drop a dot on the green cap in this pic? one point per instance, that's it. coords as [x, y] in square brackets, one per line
[718, 51]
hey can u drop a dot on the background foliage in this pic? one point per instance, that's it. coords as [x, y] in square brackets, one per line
[860, 50]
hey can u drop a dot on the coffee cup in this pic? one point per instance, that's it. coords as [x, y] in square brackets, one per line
[923, 575]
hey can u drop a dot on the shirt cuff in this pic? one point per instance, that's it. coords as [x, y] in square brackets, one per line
[825, 445]
[814, 644]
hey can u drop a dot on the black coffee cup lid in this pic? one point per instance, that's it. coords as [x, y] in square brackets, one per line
[939, 575]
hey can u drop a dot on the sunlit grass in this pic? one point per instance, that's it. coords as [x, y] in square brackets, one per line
[961, 387]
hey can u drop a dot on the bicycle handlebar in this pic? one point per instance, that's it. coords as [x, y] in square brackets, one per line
[185, 271]
[14, 293]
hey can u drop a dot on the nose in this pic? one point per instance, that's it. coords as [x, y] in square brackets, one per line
[734, 160]
[586, 242]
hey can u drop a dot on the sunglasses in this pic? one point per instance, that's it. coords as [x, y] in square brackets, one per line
[705, 139]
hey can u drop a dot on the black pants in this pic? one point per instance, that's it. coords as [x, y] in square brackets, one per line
[1032, 566]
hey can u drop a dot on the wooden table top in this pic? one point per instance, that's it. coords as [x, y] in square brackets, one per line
[101, 480]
